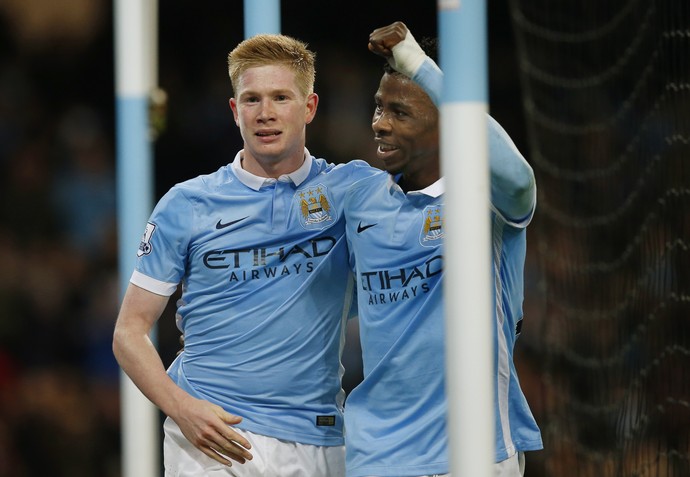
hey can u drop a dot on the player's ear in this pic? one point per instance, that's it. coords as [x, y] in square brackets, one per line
[312, 104]
[233, 106]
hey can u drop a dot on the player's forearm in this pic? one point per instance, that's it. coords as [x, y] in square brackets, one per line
[430, 77]
[136, 353]
[139, 359]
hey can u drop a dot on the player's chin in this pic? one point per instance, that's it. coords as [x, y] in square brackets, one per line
[392, 166]
[389, 157]
[263, 148]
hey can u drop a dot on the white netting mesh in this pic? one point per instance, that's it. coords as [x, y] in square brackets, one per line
[606, 89]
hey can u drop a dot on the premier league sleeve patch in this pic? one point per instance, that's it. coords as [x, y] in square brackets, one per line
[145, 245]
[432, 226]
[315, 207]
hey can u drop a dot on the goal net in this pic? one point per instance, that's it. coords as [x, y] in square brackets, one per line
[606, 96]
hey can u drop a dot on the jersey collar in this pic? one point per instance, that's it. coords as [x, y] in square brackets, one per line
[434, 190]
[256, 182]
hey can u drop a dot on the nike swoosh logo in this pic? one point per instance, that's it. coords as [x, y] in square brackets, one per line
[220, 225]
[361, 228]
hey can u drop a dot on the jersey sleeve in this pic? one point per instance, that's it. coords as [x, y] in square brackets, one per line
[513, 186]
[163, 250]
[430, 77]
[359, 169]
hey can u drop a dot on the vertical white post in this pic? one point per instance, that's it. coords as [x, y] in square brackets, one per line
[467, 238]
[261, 16]
[135, 73]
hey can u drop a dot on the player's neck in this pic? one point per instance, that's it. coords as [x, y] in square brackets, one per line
[272, 167]
[418, 181]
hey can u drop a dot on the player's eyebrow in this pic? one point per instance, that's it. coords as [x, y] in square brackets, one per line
[274, 92]
[394, 105]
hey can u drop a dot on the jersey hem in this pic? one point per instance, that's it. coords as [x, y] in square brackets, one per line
[389, 471]
[290, 437]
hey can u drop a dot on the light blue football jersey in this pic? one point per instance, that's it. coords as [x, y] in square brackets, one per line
[395, 419]
[266, 288]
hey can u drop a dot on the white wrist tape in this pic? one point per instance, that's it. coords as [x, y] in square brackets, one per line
[408, 56]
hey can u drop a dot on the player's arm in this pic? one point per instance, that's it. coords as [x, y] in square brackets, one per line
[513, 187]
[396, 43]
[204, 424]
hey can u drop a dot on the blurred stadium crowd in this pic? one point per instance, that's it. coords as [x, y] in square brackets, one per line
[59, 405]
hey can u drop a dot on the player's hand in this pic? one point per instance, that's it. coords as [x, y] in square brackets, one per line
[207, 426]
[383, 39]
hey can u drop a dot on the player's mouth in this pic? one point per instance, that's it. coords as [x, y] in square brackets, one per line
[267, 136]
[267, 133]
[385, 149]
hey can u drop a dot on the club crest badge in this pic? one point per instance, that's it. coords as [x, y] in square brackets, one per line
[315, 207]
[145, 245]
[432, 226]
